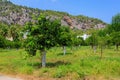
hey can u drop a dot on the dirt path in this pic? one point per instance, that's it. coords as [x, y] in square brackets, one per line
[8, 78]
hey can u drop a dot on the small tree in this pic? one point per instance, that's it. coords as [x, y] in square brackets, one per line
[101, 40]
[77, 41]
[64, 38]
[93, 41]
[41, 36]
[116, 39]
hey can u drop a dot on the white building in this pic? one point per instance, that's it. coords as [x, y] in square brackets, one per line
[84, 36]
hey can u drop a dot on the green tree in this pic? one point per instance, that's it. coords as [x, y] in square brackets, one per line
[102, 40]
[42, 36]
[65, 38]
[93, 41]
[2, 42]
[14, 33]
[116, 39]
[116, 22]
[114, 30]
[3, 30]
[108, 30]
[76, 40]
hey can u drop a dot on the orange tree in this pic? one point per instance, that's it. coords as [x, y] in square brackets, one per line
[43, 35]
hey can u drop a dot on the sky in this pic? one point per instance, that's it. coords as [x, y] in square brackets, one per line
[101, 9]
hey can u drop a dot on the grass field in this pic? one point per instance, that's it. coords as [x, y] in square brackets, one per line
[78, 64]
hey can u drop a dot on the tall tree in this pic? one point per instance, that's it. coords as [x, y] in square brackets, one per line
[116, 22]
[114, 30]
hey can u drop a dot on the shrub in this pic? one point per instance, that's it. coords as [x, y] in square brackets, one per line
[2, 42]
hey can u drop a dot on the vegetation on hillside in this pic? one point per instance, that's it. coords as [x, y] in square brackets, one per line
[14, 14]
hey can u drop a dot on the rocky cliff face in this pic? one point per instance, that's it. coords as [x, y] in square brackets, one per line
[76, 23]
[13, 14]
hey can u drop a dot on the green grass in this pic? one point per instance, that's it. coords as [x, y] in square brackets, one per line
[76, 64]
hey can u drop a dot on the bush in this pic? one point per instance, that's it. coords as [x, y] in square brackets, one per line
[8, 44]
[12, 44]
[2, 42]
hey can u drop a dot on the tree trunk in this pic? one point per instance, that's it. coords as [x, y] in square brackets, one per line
[64, 50]
[117, 47]
[71, 49]
[101, 52]
[43, 58]
[94, 48]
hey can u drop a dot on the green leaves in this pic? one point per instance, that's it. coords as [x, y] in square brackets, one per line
[115, 25]
[93, 39]
[2, 42]
[113, 30]
[116, 37]
[116, 19]
[43, 34]
[65, 38]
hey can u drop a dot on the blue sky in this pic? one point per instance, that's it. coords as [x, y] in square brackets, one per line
[102, 9]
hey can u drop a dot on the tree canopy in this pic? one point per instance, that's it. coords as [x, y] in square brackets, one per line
[45, 34]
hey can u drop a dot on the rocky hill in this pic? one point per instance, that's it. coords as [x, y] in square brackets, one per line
[14, 14]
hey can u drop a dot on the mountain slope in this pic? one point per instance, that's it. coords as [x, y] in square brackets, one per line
[14, 14]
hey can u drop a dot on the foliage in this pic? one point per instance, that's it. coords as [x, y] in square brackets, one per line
[76, 41]
[115, 37]
[102, 37]
[3, 30]
[2, 42]
[94, 21]
[14, 14]
[115, 24]
[42, 35]
[113, 30]
[45, 34]
[64, 38]
[92, 40]
[14, 33]
[116, 19]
